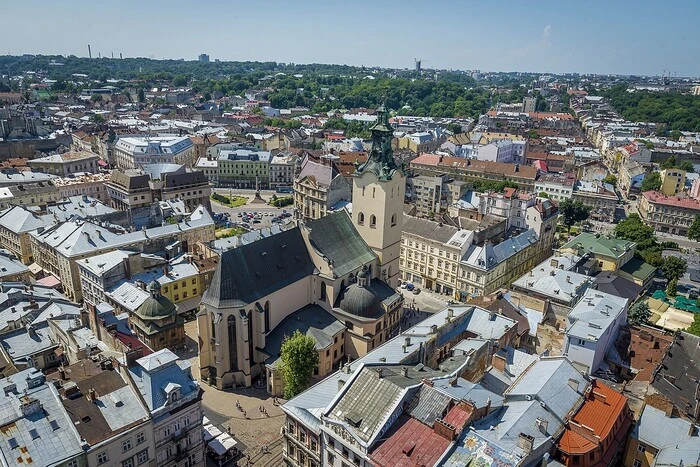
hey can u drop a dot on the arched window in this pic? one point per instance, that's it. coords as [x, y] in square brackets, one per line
[361, 219]
[373, 192]
[393, 220]
[323, 291]
[372, 221]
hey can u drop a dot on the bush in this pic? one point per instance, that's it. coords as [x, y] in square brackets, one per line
[282, 202]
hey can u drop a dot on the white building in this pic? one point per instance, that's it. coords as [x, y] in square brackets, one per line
[282, 170]
[503, 150]
[557, 187]
[134, 152]
[592, 327]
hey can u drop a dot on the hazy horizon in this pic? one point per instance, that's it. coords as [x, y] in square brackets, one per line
[620, 38]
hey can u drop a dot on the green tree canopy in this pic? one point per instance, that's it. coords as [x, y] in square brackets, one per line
[573, 211]
[639, 313]
[141, 96]
[299, 359]
[634, 230]
[611, 179]
[674, 268]
[687, 166]
[543, 194]
[672, 288]
[694, 230]
[96, 98]
[695, 327]
[651, 182]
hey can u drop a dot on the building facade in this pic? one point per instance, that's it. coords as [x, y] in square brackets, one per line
[134, 152]
[670, 214]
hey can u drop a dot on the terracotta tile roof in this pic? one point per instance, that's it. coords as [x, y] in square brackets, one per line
[599, 412]
[643, 349]
[677, 201]
[509, 170]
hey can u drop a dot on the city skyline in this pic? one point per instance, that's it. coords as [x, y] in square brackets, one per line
[597, 38]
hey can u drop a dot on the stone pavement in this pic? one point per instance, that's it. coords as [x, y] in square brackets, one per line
[256, 430]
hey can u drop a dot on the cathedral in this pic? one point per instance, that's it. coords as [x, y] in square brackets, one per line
[332, 278]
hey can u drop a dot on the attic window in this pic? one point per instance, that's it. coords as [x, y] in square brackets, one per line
[13, 443]
[54, 425]
[34, 433]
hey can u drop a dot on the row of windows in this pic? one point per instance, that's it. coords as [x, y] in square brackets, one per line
[373, 220]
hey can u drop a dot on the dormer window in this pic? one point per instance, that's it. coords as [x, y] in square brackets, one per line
[174, 396]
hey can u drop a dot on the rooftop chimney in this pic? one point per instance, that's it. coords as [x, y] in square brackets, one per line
[404, 371]
[525, 442]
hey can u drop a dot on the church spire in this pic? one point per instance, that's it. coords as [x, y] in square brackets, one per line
[381, 157]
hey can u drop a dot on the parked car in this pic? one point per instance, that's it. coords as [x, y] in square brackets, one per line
[404, 284]
[410, 286]
[416, 291]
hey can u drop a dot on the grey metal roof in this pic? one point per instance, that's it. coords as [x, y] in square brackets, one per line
[678, 373]
[156, 373]
[252, 271]
[428, 404]
[488, 256]
[10, 265]
[78, 238]
[548, 381]
[428, 229]
[311, 320]
[675, 444]
[461, 389]
[57, 440]
[335, 237]
[18, 219]
[554, 279]
[593, 314]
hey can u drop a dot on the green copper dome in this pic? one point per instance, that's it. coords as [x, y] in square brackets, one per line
[156, 306]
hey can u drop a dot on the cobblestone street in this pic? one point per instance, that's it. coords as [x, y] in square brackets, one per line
[257, 431]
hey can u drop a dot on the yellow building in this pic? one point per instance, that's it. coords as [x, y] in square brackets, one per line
[672, 181]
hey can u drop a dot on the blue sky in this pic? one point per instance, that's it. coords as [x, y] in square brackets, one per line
[586, 36]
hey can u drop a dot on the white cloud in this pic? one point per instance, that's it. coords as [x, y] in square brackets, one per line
[546, 34]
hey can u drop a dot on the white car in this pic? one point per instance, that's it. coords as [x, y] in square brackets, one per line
[404, 284]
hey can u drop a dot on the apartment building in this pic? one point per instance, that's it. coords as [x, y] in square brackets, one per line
[16, 223]
[672, 181]
[557, 187]
[83, 184]
[430, 254]
[427, 194]
[173, 400]
[137, 188]
[484, 269]
[236, 166]
[601, 198]
[134, 152]
[282, 170]
[592, 327]
[630, 177]
[470, 170]
[671, 214]
[63, 165]
[318, 188]
[39, 194]
[58, 248]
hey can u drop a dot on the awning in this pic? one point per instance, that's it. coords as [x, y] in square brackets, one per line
[210, 432]
[222, 444]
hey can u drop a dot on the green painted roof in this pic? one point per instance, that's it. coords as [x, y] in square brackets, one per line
[638, 269]
[336, 237]
[156, 308]
[599, 245]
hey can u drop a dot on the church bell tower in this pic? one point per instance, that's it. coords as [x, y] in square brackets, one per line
[379, 188]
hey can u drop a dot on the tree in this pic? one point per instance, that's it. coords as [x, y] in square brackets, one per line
[669, 163]
[96, 98]
[695, 327]
[674, 267]
[687, 166]
[651, 182]
[97, 118]
[639, 313]
[672, 288]
[694, 230]
[141, 96]
[634, 230]
[299, 359]
[543, 194]
[573, 212]
[611, 179]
